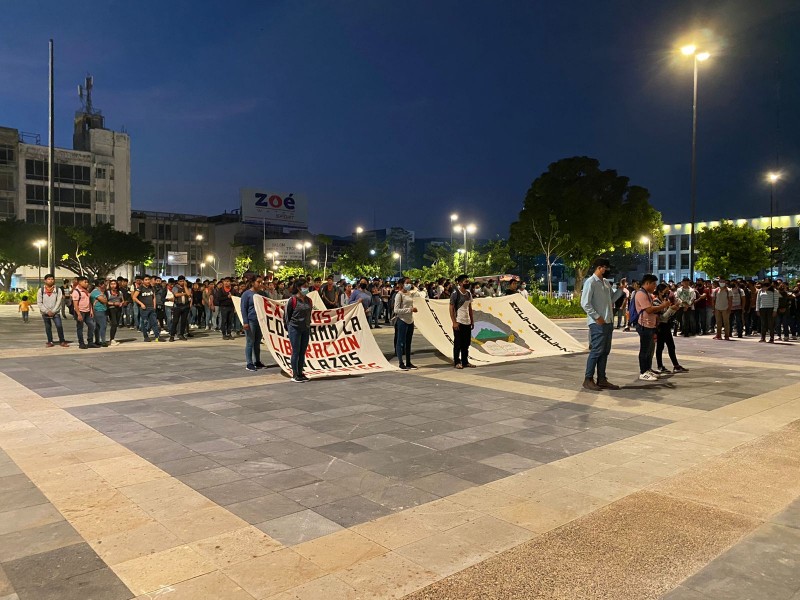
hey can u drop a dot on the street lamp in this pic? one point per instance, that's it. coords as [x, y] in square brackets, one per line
[304, 246]
[314, 262]
[213, 259]
[397, 256]
[691, 50]
[646, 240]
[273, 256]
[453, 219]
[39, 245]
[202, 266]
[198, 238]
[773, 177]
[359, 231]
[471, 228]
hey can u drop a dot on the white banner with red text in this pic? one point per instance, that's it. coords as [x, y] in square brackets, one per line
[506, 328]
[340, 340]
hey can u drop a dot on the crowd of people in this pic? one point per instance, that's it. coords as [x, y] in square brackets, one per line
[172, 309]
[659, 311]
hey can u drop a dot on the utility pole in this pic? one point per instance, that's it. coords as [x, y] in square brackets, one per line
[51, 246]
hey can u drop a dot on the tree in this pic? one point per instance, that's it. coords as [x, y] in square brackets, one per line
[787, 248]
[17, 249]
[99, 250]
[248, 259]
[364, 259]
[727, 249]
[580, 211]
[492, 258]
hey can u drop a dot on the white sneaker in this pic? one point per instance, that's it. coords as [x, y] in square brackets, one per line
[114, 343]
[654, 373]
[648, 376]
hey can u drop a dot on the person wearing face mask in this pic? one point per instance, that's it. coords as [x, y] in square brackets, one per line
[721, 300]
[223, 298]
[597, 301]
[463, 322]
[404, 311]
[297, 319]
[767, 306]
[523, 291]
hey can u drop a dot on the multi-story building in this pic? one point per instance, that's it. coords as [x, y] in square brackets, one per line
[181, 242]
[672, 261]
[92, 181]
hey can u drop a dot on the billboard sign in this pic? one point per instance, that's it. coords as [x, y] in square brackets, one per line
[274, 208]
[287, 249]
[177, 258]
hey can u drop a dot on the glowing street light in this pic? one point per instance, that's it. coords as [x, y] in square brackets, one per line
[303, 246]
[359, 231]
[213, 260]
[272, 256]
[39, 245]
[773, 177]
[465, 229]
[397, 256]
[691, 50]
[646, 240]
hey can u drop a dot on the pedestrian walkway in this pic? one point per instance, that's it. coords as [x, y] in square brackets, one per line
[167, 470]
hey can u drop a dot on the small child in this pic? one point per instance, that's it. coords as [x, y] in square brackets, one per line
[24, 308]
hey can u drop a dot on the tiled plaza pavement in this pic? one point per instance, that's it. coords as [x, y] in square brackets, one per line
[174, 471]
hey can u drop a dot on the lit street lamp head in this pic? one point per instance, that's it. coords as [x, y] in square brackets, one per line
[688, 50]
[199, 237]
[703, 56]
[40, 244]
[359, 230]
[457, 228]
[209, 258]
[395, 256]
[454, 217]
[471, 228]
[772, 177]
[644, 240]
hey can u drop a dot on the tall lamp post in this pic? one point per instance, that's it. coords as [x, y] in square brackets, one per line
[39, 245]
[691, 50]
[359, 231]
[272, 256]
[646, 240]
[198, 238]
[202, 266]
[397, 256]
[304, 246]
[212, 260]
[453, 220]
[773, 178]
[471, 228]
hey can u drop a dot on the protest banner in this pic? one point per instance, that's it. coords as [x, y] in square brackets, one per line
[340, 341]
[316, 300]
[506, 328]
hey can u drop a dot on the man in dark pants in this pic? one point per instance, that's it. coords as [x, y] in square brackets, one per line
[223, 297]
[180, 309]
[597, 301]
[463, 322]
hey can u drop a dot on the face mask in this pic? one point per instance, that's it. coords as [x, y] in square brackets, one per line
[407, 286]
[304, 291]
[722, 284]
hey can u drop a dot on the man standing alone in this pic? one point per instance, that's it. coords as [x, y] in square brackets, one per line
[597, 301]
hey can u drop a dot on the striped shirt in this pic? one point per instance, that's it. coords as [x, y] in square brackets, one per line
[767, 299]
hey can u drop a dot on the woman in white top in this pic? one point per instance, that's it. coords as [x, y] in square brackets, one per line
[404, 326]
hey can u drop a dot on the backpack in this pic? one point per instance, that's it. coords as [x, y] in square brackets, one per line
[293, 300]
[633, 313]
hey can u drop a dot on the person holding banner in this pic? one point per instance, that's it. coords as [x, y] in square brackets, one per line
[463, 322]
[252, 346]
[297, 319]
[404, 311]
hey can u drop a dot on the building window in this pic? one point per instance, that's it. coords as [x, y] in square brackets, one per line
[142, 230]
[6, 155]
[100, 197]
[7, 208]
[164, 231]
[662, 262]
[100, 173]
[671, 241]
[685, 239]
[35, 194]
[64, 173]
[36, 169]
[6, 182]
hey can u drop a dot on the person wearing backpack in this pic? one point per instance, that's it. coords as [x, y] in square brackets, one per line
[645, 316]
[463, 323]
[297, 319]
[597, 301]
[664, 332]
[50, 300]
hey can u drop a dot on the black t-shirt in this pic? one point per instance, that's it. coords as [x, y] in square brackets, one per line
[147, 296]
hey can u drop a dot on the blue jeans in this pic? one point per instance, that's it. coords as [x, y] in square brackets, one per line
[136, 316]
[149, 321]
[599, 349]
[100, 322]
[209, 312]
[299, 341]
[646, 342]
[376, 313]
[89, 322]
[405, 331]
[252, 343]
[48, 327]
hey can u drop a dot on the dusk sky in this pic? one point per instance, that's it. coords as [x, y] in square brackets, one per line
[402, 112]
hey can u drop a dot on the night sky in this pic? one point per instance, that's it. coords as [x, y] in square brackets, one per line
[401, 112]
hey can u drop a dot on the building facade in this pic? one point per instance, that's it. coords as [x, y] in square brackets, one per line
[672, 261]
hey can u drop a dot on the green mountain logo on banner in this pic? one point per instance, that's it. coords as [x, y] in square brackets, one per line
[496, 338]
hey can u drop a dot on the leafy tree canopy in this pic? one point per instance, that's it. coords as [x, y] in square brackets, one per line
[17, 249]
[365, 259]
[577, 211]
[99, 250]
[727, 249]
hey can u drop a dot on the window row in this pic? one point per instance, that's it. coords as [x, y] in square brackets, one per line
[62, 218]
[38, 169]
[7, 181]
[73, 197]
[6, 154]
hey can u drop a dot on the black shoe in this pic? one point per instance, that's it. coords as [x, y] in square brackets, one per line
[260, 365]
[146, 339]
[304, 378]
[191, 335]
[172, 338]
[410, 366]
[95, 346]
[680, 369]
[251, 367]
[183, 338]
[403, 367]
[82, 346]
[297, 380]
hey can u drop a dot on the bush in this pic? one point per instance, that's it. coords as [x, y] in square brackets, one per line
[16, 297]
[557, 308]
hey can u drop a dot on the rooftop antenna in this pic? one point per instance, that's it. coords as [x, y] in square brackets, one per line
[85, 94]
